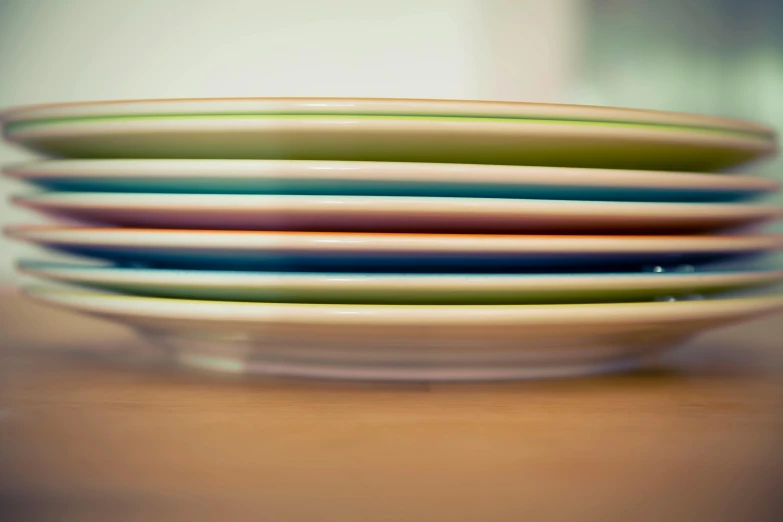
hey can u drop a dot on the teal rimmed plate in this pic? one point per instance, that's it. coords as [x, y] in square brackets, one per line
[293, 177]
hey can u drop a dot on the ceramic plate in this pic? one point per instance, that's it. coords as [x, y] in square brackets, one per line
[394, 213]
[375, 107]
[294, 287]
[503, 141]
[385, 179]
[411, 342]
[367, 252]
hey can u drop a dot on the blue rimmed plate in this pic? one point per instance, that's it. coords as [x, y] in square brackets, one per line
[367, 252]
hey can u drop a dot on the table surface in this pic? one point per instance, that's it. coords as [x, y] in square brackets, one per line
[94, 426]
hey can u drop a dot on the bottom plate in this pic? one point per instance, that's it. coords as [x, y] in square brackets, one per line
[410, 342]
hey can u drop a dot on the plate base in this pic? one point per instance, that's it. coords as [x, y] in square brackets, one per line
[255, 357]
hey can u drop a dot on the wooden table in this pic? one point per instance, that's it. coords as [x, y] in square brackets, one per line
[94, 427]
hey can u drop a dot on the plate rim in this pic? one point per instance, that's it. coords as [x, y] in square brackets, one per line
[507, 175]
[502, 211]
[20, 132]
[245, 202]
[401, 242]
[337, 105]
[64, 271]
[413, 314]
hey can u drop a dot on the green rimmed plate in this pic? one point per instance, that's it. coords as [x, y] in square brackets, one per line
[295, 287]
[390, 130]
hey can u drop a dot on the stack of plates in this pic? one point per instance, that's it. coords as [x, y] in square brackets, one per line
[398, 239]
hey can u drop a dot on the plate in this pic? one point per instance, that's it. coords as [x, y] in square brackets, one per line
[682, 283]
[394, 213]
[375, 107]
[385, 179]
[367, 252]
[503, 141]
[411, 342]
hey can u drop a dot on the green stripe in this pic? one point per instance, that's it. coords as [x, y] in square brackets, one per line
[20, 125]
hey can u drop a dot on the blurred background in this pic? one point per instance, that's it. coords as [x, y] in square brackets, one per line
[721, 57]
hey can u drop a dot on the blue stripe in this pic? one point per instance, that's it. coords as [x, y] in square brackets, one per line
[410, 263]
[371, 188]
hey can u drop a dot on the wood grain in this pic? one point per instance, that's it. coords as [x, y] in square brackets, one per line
[95, 426]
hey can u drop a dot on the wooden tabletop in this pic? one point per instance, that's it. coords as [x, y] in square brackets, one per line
[95, 426]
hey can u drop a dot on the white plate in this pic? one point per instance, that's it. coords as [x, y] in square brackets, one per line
[411, 342]
[379, 178]
[502, 141]
[368, 252]
[395, 213]
[403, 288]
[375, 107]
